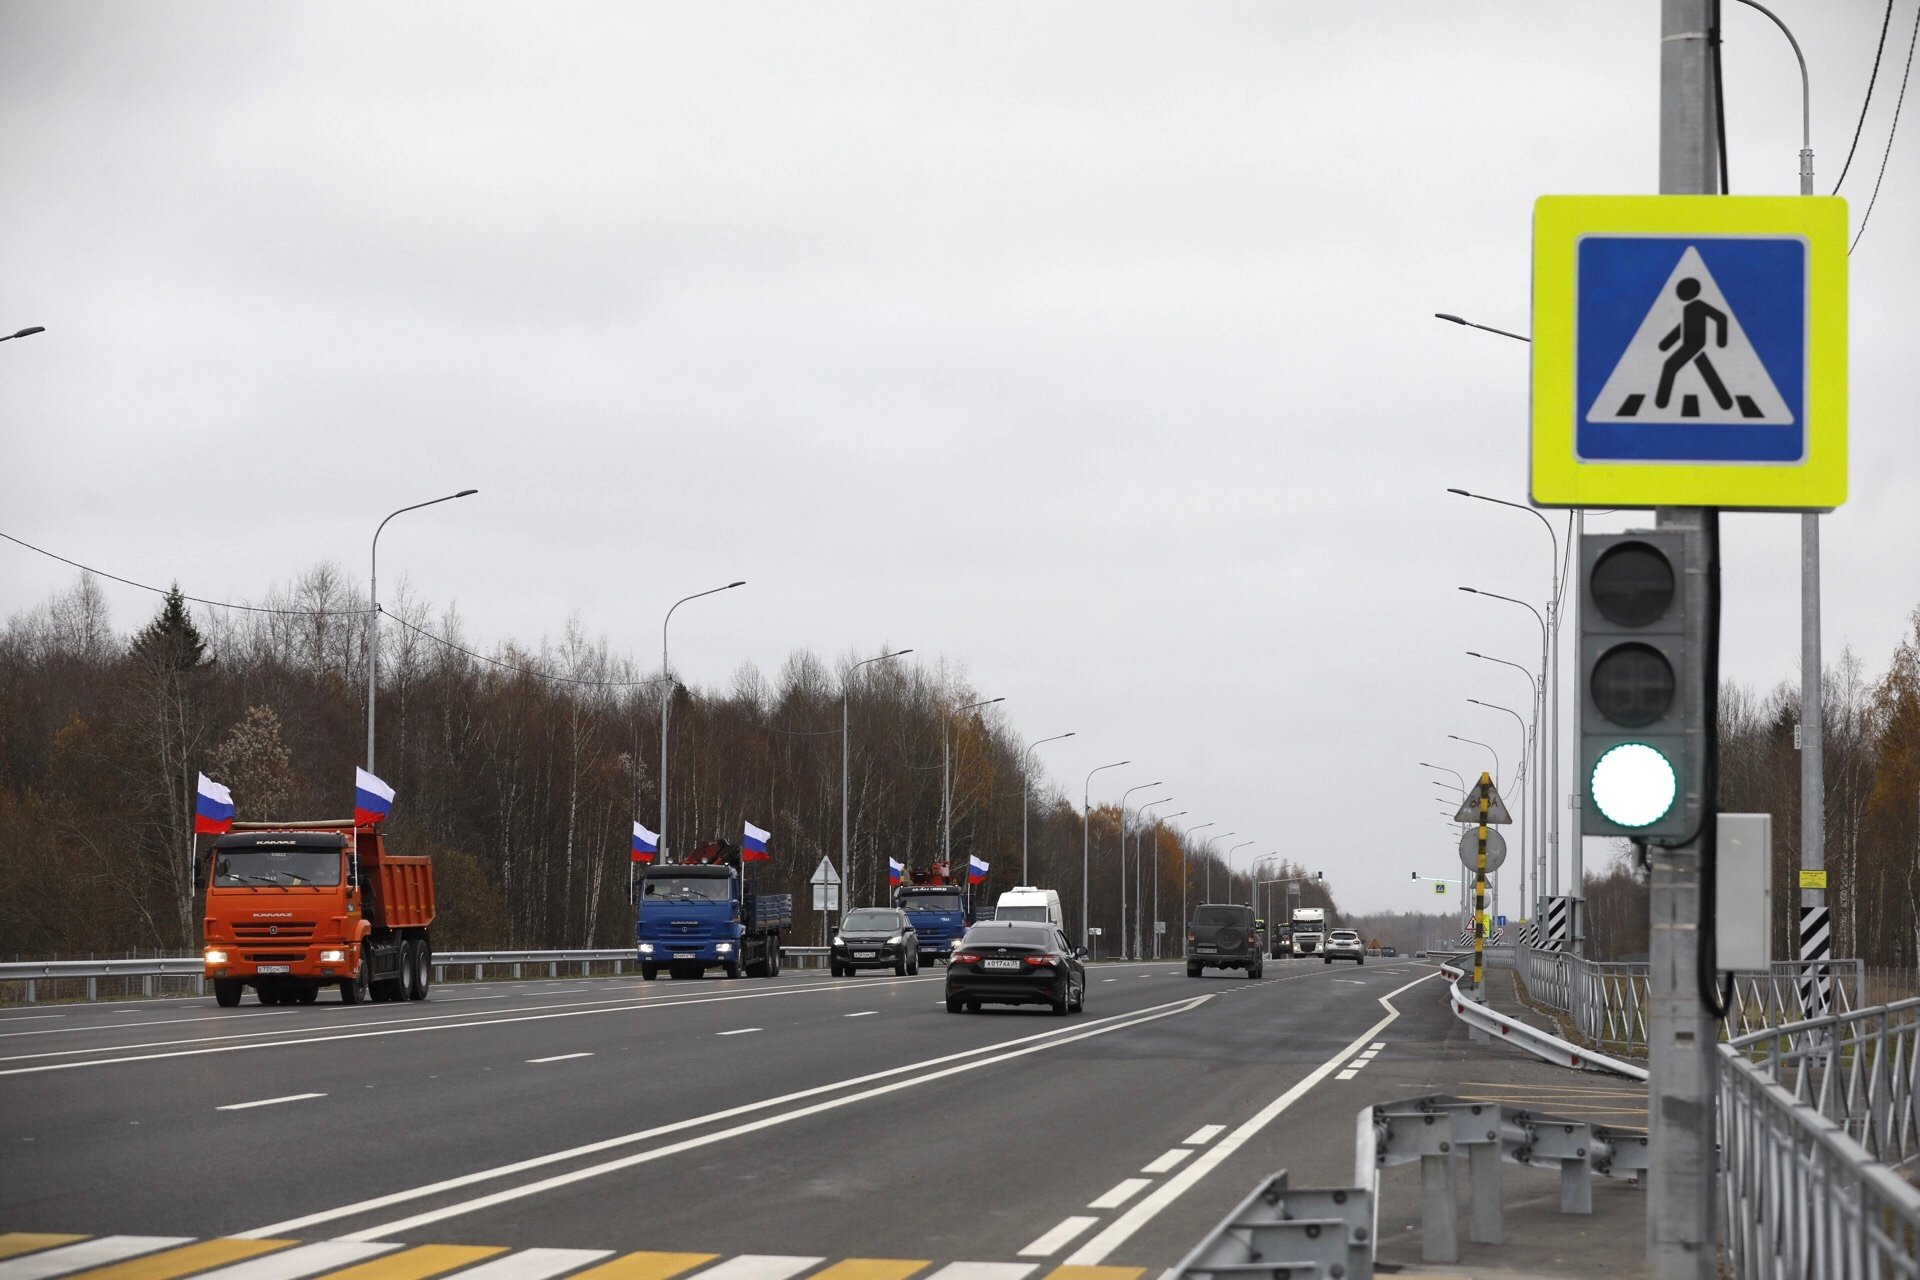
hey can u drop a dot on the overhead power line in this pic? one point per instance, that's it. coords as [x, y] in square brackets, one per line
[1860, 124]
[1897, 103]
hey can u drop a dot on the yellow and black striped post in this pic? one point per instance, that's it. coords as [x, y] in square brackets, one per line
[1484, 792]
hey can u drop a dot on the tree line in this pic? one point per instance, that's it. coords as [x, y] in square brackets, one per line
[519, 770]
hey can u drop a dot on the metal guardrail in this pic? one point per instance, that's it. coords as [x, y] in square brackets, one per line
[189, 970]
[1542, 1045]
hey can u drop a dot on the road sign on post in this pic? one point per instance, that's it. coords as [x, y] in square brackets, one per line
[1690, 351]
[1470, 850]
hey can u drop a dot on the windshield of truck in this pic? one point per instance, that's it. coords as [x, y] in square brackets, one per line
[931, 901]
[1222, 915]
[687, 888]
[238, 868]
[871, 921]
[1037, 912]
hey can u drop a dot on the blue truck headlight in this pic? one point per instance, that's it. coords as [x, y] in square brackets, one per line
[724, 947]
[646, 948]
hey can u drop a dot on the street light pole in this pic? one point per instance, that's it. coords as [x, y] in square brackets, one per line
[1231, 850]
[1458, 827]
[1487, 748]
[1540, 783]
[373, 596]
[1519, 789]
[1123, 861]
[1139, 899]
[666, 708]
[1186, 875]
[1086, 847]
[1206, 849]
[846, 719]
[1026, 765]
[1549, 661]
[946, 779]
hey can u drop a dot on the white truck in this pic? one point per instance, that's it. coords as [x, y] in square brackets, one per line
[1309, 930]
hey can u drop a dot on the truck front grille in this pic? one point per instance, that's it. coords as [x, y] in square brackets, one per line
[286, 931]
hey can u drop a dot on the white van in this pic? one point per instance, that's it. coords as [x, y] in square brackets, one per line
[1024, 902]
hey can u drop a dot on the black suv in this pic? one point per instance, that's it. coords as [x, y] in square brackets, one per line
[1222, 935]
[875, 938]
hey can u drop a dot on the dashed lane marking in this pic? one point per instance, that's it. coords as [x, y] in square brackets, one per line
[1168, 1162]
[1204, 1134]
[868, 1013]
[1347, 1074]
[1121, 1193]
[269, 1102]
[1060, 1237]
[559, 1057]
[742, 1031]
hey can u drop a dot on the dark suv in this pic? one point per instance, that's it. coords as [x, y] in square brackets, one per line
[1222, 935]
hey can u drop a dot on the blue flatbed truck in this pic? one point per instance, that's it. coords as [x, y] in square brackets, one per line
[938, 908]
[708, 913]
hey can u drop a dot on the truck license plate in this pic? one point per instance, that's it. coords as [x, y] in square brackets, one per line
[999, 964]
[273, 968]
[685, 955]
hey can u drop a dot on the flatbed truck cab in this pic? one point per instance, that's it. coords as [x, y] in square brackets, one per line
[938, 908]
[704, 914]
[294, 908]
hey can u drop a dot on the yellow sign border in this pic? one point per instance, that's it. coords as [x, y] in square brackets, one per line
[1559, 478]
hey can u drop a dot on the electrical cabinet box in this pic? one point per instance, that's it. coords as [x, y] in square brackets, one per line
[1743, 892]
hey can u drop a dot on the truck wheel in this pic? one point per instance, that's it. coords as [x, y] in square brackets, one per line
[268, 993]
[733, 969]
[410, 969]
[648, 972]
[307, 995]
[226, 992]
[359, 988]
[773, 959]
[423, 952]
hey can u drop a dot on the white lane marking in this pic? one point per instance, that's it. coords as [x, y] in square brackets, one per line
[761, 1266]
[1109, 979]
[535, 1264]
[556, 1181]
[1367, 1056]
[1347, 1075]
[743, 1031]
[1121, 1193]
[985, 1271]
[559, 1057]
[1168, 1162]
[144, 1023]
[867, 1013]
[269, 1102]
[1058, 1238]
[1143, 975]
[1375, 1048]
[28, 1017]
[1205, 1133]
[532, 1013]
[307, 1260]
[88, 1253]
[1098, 1249]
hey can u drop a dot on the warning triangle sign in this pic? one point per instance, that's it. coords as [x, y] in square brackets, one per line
[1690, 361]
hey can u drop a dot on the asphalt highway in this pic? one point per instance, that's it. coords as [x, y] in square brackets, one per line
[555, 1127]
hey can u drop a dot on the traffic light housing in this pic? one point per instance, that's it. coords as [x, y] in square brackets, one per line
[1643, 748]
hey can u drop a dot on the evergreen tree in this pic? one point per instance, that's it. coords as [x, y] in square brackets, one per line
[171, 643]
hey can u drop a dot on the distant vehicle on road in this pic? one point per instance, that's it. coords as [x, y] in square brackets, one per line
[875, 938]
[1222, 935]
[1017, 962]
[1024, 902]
[1282, 941]
[1344, 944]
[1388, 953]
[937, 906]
[705, 914]
[295, 907]
[1309, 929]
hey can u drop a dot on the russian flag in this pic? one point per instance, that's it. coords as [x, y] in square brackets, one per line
[212, 808]
[645, 844]
[372, 799]
[976, 871]
[753, 846]
[894, 872]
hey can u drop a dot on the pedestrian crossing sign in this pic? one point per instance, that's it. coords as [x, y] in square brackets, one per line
[1690, 351]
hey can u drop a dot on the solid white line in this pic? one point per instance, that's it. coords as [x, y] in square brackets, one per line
[1098, 1249]
[985, 1271]
[1346, 1075]
[535, 1264]
[743, 1031]
[760, 1266]
[867, 1013]
[1205, 1133]
[559, 1057]
[28, 1017]
[1169, 1162]
[1060, 1035]
[1121, 1193]
[144, 1023]
[87, 1253]
[1058, 1238]
[269, 1102]
[307, 1260]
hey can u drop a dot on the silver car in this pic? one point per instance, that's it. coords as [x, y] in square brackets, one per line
[1344, 944]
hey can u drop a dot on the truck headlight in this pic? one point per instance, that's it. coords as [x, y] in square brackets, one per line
[646, 948]
[724, 947]
[333, 957]
[216, 957]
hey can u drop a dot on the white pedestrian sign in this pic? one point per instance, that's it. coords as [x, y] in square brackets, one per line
[1691, 361]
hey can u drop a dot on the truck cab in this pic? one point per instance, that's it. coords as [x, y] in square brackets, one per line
[706, 914]
[937, 907]
[294, 908]
[1309, 930]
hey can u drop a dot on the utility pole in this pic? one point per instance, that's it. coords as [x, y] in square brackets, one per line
[1680, 1033]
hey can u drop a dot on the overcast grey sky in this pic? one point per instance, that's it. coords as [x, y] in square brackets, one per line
[1086, 346]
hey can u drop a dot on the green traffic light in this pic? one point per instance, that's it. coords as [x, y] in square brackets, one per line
[1633, 785]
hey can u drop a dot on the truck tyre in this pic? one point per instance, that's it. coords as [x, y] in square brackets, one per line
[423, 951]
[410, 969]
[733, 969]
[226, 992]
[359, 988]
[648, 972]
[268, 993]
[773, 959]
[307, 995]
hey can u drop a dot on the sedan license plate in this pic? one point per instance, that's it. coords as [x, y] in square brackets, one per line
[863, 955]
[999, 964]
[273, 968]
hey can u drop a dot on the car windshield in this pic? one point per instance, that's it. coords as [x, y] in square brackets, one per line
[870, 921]
[1021, 913]
[234, 868]
[1014, 937]
[1221, 915]
[930, 901]
[687, 888]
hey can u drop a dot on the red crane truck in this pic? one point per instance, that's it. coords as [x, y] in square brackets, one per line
[296, 907]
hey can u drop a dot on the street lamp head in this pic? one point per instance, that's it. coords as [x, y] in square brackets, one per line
[731, 585]
[1472, 654]
[1470, 591]
[30, 331]
[466, 493]
[899, 653]
[1441, 315]
[1462, 492]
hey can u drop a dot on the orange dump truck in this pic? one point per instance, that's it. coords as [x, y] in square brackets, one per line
[296, 907]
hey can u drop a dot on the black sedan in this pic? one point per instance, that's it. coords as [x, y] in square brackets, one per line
[875, 938]
[1016, 962]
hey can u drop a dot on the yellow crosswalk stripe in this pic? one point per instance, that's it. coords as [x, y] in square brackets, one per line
[169, 1264]
[645, 1266]
[416, 1263]
[871, 1269]
[1096, 1273]
[18, 1242]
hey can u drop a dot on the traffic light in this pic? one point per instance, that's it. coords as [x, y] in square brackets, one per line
[1643, 747]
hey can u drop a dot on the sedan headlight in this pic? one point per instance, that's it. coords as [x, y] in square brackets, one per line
[333, 957]
[839, 941]
[216, 957]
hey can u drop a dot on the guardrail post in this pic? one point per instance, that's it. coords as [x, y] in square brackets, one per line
[1439, 1229]
[93, 988]
[1488, 1224]
[29, 990]
[516, 970]
[146, 985]
[619, 967]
